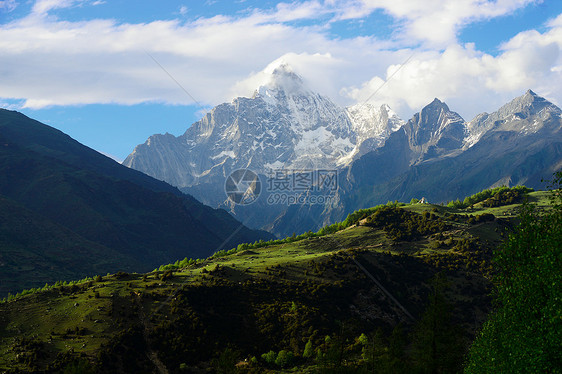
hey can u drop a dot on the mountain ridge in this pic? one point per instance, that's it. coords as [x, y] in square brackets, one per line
[519, 108]
[505, 154]
[294, 127]
[371, 149]
[110, 214]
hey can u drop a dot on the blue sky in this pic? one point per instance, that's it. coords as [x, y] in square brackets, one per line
[85, 66]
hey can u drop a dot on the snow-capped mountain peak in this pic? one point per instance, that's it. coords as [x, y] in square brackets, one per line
[280, 81]
[284, 76]
[525, 114]
[284, 124]
[372, 125]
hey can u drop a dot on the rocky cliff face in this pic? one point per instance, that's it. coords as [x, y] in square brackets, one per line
[435, 131]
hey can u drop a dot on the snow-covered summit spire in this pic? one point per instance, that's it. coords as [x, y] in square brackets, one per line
[280, 80]
[283, 73]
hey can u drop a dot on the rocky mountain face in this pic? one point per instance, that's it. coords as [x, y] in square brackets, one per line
[373, 125]
[435, 132]
[525, 115]
[283, 125]
[376, 155]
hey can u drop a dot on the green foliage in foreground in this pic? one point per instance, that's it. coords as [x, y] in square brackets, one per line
[438, 345]
[283, 301]
[524, 333]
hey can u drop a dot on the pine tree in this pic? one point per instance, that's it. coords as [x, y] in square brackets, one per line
[437, 345]
[308, 350]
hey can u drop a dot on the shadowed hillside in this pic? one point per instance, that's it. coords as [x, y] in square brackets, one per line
[66, 201]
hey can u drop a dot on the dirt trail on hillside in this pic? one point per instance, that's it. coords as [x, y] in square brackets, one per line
[151, 354]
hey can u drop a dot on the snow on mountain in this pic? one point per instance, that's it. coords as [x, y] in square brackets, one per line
[525, 114]
[372, 122]
[372, 125]
[284, 125]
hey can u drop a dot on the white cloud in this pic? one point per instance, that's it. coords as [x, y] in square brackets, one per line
[42, 7]
[432, 22]
[47, 61]
[295, 11]
[313, 68]
[7, 5]
[556, 22]
[472, 81]
[52, 62]
[9, 106]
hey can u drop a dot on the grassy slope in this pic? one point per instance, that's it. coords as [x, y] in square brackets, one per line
[317, 273]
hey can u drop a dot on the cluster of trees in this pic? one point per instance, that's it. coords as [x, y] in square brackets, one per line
[400, 224]
[57, 285]
[28, 350]
[465, 254]
[505, 197]
[493, 197]
[360, 214]
[282, 359]
[486, 217]
[179, 264]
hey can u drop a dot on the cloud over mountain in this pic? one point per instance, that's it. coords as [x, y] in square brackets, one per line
[216, 58]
